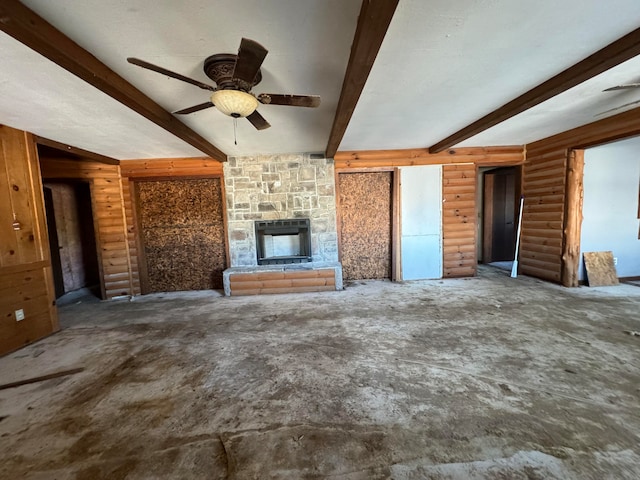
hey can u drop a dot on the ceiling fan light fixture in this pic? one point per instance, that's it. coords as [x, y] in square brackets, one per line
[234, 103]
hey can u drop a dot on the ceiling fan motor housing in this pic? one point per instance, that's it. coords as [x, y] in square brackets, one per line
[220, 67]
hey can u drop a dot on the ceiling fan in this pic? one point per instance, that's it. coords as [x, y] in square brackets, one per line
[625, 86]
[235, 76]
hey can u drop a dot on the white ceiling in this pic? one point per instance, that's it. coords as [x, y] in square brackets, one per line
[445, 64]
[442, 65]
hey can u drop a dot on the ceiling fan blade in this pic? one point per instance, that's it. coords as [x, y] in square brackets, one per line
[250, 56]
[258, 121]
[195, 108]
[290, 100]
[617, 108]
[169, 73]
[622, 87]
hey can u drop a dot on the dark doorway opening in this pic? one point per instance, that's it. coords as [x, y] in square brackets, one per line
[501, 191]
[72, 241]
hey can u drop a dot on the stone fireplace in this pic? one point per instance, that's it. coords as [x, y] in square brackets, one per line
[281, 219]
[280, 187]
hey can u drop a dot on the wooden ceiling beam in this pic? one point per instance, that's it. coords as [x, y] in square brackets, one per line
[36, 33]
[623, 49]
[373, 23]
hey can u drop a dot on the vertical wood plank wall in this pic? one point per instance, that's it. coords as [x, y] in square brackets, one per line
[459, 214]
[108, 216]
[26, 280]
[550, 236]
[459, 220]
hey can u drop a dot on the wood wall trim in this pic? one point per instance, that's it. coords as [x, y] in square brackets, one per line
[396, 227]
[171, 167]
[481, 156]
[373, 22]
[572, 227]
[40, 219]
[125, 231]
[621, 50]
[83, 155]
[36, 33]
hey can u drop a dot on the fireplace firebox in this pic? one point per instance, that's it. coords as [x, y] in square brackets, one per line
[283, 241]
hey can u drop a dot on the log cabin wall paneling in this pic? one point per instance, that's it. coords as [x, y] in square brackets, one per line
[479, 156]
[26, 281]
[543, 187]
[171, 167]
[459, 191]
[459, 220]
[108, 215]
[552, 185]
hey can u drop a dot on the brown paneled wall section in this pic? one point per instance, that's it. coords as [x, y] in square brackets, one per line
[552, 184]
[26, 281]
[543, 187]
[459, 220]
[108, 215]
[459, 179]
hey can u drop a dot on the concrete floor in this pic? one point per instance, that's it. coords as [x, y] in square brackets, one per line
[489, 377]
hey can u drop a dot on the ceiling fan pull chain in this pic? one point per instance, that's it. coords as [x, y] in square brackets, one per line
[235, 127]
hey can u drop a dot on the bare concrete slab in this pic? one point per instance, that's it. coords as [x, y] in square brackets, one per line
[484, 378]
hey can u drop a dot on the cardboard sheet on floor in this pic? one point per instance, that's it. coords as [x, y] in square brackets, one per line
[601, 271]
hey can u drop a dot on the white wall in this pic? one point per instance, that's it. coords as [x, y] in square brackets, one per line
[610, 210]
[421, 222]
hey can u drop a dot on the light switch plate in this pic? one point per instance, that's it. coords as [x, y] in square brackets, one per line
[19, 315]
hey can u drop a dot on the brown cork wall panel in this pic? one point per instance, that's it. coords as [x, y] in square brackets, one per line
[366, 224]
[182, 231]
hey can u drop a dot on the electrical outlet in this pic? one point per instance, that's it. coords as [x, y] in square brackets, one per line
[615, 261]
[19, 315]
